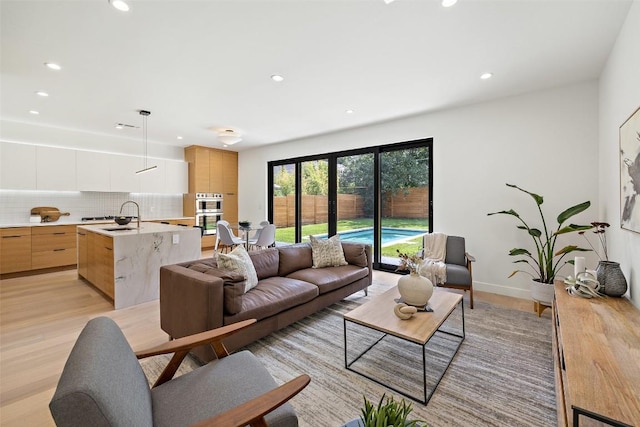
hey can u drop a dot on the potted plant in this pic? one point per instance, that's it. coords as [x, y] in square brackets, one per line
[545, 261]
[388, 413]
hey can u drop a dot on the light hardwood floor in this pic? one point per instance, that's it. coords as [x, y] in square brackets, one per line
[41, 317]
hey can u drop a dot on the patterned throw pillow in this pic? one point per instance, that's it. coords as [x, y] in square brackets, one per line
[327, 252]
[238, 260]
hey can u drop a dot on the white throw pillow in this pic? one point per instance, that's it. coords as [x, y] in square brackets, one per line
[327, 253]
[239, 261]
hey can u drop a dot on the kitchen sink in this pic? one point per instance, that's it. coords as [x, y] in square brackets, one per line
[118, 229]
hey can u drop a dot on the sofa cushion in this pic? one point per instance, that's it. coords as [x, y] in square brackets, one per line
[355, 254]
[330, 278]
[266, 262]
[271, 296]
[327, 252]
[293, 258]
[239, 261]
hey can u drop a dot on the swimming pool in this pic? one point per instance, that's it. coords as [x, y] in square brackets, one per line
[389, 235]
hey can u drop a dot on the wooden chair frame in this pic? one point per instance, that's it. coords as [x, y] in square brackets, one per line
[251, 412]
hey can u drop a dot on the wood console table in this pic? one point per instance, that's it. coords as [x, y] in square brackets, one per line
[596, 350]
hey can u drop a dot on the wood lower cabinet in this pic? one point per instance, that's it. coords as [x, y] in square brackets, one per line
[53, 246]
[15, 249]
[99, 265]
[596, 351]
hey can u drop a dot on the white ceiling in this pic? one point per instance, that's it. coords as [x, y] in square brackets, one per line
[200, 64]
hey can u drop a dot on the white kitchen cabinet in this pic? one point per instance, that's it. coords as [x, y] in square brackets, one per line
[153, 181]
[17, 166]
[176, 177]
[123, 176]
[55, 169]
[93, 172]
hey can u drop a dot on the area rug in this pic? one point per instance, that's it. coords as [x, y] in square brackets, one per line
[502, 374]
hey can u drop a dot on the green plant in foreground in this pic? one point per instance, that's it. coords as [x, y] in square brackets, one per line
[388, 413]
[543, 263]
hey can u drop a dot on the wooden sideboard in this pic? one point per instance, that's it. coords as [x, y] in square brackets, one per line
[596, 349]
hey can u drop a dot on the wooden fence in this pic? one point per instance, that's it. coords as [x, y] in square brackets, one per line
[314, 208]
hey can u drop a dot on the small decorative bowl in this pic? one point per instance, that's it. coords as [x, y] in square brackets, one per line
[122, 220]
[244, 223]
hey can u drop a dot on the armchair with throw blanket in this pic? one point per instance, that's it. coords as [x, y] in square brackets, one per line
[446, 262]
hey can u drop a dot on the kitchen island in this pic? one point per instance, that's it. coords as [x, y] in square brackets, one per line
[124, 262]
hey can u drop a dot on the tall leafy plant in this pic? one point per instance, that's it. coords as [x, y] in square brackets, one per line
[543, 261]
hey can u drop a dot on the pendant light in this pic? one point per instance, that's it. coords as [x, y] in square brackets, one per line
[146, 168]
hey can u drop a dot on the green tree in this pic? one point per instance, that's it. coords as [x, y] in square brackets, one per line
[285, 182]
[315, 178]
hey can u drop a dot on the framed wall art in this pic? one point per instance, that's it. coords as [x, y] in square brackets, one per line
[630, 173]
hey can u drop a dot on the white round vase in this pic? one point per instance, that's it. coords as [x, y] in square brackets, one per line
[415, 289]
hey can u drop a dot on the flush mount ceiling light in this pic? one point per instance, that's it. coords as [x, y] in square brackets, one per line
[486, 76]
[120, 5]
[277, 78]
[388, 1]
[349, 111]
[53, 66]
[34, 112]
[146, 168]
[229, 136]
[448, 3]
[42, 93]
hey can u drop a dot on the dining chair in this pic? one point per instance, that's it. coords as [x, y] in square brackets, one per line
[266, 238]
[225, 239]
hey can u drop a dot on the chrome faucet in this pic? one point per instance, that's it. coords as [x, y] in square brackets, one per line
[137, 207]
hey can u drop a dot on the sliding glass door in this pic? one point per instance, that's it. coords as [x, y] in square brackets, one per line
[377, 195]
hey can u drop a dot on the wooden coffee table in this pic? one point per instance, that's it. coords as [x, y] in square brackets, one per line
[378, 315]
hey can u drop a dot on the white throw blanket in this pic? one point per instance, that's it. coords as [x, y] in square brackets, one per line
[435, 252]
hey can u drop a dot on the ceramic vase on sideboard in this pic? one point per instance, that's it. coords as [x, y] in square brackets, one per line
[611, 279]
[415, 289]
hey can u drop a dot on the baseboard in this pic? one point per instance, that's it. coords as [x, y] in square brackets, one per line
[502, 290]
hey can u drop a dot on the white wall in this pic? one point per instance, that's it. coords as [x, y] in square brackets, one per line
[619, 97]
[546, 142]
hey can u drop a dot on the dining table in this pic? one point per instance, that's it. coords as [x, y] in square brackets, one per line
[247, 229]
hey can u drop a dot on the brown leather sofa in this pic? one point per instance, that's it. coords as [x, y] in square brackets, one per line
[197, 296]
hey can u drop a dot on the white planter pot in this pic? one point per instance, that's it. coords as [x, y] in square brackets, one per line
[542, 292]
[415, 289]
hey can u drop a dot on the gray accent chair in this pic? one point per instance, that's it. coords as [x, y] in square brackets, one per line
[458, 263]
[103, 384]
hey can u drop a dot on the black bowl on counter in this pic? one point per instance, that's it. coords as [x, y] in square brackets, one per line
[245, 224]
[123, 220]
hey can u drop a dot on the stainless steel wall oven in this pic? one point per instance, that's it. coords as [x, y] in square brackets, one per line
[209, 210]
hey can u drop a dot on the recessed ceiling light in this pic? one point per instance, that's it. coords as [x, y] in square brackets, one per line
[179, 137]
[448, 3]
[486, 76]
[41, 93]
[388, 1]
[349, 111]
[277, 78]
[53, 66]
[119, 126]
[34, 112]
[120, 5]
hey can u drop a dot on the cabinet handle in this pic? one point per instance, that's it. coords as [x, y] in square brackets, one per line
[82, 234]
[10, 237]
[59, 232]
[58, 250]
[109, 249]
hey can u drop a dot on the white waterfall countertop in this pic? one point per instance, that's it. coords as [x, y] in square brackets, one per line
[138, 255]
[114, 230]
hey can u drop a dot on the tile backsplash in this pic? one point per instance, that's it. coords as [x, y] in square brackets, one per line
[15, 206]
